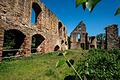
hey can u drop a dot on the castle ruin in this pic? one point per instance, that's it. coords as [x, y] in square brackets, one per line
[79, 38]
[48, 32]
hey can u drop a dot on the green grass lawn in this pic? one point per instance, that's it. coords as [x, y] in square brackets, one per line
[39, 67]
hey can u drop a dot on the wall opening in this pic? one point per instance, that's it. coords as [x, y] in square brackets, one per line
[82, 45]
[62, 41]
[60, 28]
[56, 48]
[64, 31]
[92, 46]
[37, 41]
[78, 37]
[36, 9]
[13, 40]
[66, 43]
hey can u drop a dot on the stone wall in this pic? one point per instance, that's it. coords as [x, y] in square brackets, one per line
[79, 32]
[1, 42]
[92, 42]
[79, 38]
[112, 40]
[16, 15]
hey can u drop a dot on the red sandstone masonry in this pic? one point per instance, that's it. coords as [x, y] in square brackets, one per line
[112, 40]
[1, 42]
[16, 14]
[85, 41]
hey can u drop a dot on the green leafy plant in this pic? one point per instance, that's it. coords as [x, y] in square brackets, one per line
[80, 2]
[100, 65]
[118, 11]
[90, 4]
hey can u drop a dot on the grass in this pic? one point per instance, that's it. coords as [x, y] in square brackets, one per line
[39, 67]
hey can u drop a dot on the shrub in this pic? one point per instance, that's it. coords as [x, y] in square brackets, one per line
[100, 65]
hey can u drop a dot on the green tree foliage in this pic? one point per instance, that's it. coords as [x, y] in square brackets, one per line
[101, 36]
[90, 4]
[101, 39]
[33, 42]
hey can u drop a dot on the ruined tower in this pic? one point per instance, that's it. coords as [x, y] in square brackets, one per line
[112, 40]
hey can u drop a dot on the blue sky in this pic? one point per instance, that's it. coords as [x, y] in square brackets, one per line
[101, 16]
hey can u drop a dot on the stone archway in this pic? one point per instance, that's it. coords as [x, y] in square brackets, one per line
[36, 10]
[37, 43]
[13, 41]
[60, 28]
[56, 48]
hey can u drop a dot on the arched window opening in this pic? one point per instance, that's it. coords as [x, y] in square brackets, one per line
[13, 39]
[78, 37]
[36, 9]
[82, 45]
[59, 25]
[60, 28]
[56, 48]
[37, 40]
[62, 41]
[64, 31]
[66, 43]
[33, 17]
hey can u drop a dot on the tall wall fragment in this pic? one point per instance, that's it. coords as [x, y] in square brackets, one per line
[112, 40]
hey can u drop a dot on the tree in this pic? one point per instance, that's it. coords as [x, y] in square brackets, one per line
[101, 39]
[90, 4]
[101, 36]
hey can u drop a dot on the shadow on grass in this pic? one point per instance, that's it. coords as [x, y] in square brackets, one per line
[71, 77]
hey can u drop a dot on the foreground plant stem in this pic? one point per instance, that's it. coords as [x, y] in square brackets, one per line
[72, 66]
